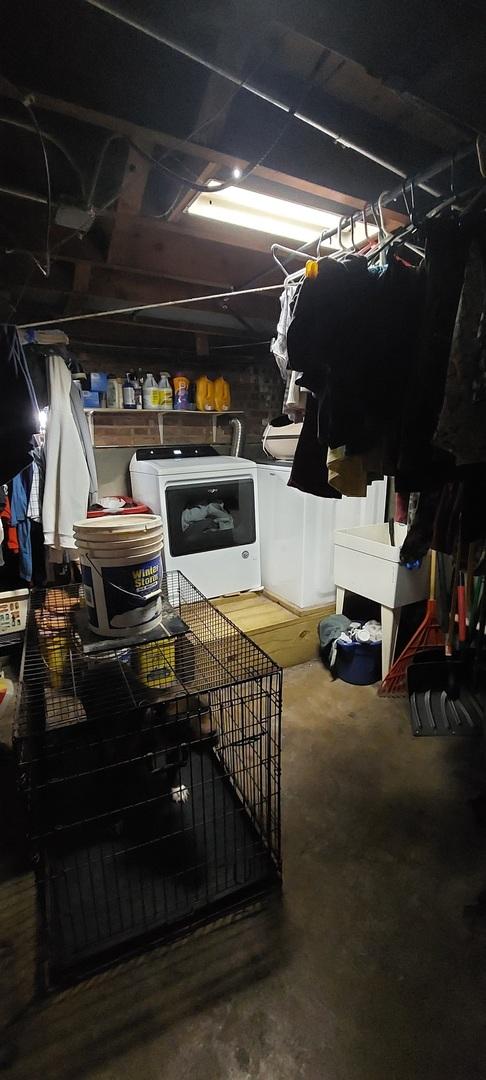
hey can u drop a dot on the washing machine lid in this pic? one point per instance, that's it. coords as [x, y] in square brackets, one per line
[164, 453]
[164, 460]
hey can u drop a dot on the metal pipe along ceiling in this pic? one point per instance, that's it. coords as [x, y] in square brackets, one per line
[151, 31]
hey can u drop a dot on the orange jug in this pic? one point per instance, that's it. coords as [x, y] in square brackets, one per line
[205, 394]
[222, 395]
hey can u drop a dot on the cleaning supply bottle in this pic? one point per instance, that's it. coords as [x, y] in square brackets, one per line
[204, 394]
[165, 392]
[137, 382]
[222, 395]
[181, 391]
[150, 392]
[191, 395]
[129, 401]
[112, 398]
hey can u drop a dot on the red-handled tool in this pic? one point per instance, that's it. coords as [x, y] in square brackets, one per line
[461, 609]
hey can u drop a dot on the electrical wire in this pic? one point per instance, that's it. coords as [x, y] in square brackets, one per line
[114, 137]
[26, 102]
[33, 117]
[13, 122]
[187, 179]
[194, 185]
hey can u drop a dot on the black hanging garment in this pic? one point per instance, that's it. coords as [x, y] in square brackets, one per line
[19, 412]
[335, 340]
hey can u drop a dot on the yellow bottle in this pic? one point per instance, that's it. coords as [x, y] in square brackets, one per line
[222, 395]
[205, 394]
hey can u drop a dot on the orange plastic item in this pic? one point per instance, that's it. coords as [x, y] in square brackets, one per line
[181, 391]
[205, 394]
[311, 268]
[222, 395]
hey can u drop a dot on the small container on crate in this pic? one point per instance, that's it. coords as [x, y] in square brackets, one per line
[155, 664]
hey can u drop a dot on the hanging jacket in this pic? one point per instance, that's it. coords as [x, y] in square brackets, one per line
[67, 480]
[21, 485]
[79, 417]
[9, 529]
[19, 412]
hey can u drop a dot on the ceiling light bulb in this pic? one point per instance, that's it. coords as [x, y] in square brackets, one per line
[236, 174]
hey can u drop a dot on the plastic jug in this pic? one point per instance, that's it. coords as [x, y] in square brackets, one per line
[112, 393]
[150, 392]
[181, 392]
[204, 394]
[129, 400]
[222, 395]
[165, 392]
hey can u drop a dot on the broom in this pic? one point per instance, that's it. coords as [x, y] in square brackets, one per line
[428, 635]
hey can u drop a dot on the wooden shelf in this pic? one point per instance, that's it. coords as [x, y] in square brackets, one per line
[166, 412]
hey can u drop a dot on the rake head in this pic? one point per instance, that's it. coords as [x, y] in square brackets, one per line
[428, 635]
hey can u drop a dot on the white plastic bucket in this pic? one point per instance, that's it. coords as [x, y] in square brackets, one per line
[116, 527]
[121, 568]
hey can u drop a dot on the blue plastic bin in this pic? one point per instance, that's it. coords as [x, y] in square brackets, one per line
[358, 663]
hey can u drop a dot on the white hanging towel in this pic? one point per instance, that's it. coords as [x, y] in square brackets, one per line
[66, 489]
[279, 343]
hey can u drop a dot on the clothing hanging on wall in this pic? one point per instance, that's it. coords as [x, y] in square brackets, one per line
[79, 418]
[21, 485]
[67, 482]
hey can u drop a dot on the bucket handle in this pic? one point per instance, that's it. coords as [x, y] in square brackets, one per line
[140, 601]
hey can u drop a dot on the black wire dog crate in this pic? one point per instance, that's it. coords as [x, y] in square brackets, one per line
[151, 773]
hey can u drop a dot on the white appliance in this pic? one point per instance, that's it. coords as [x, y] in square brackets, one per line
[297, 535]
[208, 505]
[280, 439]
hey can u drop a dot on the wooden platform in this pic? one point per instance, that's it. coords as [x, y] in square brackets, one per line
[287, 636]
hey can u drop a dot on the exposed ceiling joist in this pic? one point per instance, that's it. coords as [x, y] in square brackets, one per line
[148, 137]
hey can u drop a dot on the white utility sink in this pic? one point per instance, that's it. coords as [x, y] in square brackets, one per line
[367, 564]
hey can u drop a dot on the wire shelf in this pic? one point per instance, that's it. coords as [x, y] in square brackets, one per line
[150, 772]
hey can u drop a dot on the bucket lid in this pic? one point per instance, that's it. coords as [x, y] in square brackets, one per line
[114, 525]
[123, 544]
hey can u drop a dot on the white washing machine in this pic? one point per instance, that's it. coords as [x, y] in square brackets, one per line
[209, 508]
[297, 535]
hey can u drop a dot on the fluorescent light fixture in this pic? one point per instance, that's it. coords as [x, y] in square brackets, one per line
[277, 217]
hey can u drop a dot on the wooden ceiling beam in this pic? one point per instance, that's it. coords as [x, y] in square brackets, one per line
[130, 287]
[184, 253]
[148, 137]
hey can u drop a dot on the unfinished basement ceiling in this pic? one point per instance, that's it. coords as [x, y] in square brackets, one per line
[378, 75]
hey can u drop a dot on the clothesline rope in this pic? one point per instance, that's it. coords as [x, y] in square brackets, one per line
[149, 307]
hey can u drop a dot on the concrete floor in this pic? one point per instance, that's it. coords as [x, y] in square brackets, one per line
[366, 970]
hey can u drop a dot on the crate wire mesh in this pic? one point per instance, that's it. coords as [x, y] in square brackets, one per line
[151, 775]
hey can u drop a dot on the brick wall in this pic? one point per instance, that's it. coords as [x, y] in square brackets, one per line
[256, 391]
